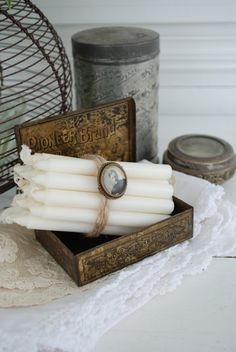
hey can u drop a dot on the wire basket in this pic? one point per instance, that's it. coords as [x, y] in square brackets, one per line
[35, 76]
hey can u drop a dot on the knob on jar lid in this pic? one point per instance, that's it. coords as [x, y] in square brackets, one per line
[202, 156]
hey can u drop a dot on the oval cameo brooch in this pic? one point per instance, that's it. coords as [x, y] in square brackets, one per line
[112, 180]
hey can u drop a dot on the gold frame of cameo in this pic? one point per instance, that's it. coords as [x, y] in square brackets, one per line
[112, 180]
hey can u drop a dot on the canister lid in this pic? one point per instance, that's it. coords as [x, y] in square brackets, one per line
[203, 156]
[115, 45]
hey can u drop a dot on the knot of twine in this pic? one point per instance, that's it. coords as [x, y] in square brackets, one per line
[103, 210]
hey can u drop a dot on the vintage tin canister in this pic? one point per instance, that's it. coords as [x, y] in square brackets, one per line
[116, 62]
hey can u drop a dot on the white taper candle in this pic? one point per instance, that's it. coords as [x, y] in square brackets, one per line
[24, 218]
[135, 187]
[93, 201]
[62, 164]
[115, 218]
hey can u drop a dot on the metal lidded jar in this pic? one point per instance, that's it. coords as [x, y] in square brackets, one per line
[111, 63]
[204, 156]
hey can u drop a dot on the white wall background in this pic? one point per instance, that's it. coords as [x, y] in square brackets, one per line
[198, 46]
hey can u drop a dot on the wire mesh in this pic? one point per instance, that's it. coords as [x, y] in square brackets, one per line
[35, 76]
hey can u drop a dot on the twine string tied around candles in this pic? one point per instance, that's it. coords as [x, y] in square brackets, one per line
[103, 210]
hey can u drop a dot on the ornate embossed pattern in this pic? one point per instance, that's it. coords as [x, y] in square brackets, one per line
[105, 130]
[132, 248]
[218, 178]
[97, 83]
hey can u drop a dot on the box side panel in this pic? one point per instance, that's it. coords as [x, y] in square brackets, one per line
[129, 249]
[58, 251]
[180, 205]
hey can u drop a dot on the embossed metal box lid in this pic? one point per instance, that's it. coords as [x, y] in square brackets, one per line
[202, 156]
[107, 130]
[87, 259]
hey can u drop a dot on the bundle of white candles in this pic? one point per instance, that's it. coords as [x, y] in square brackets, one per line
[61, 194]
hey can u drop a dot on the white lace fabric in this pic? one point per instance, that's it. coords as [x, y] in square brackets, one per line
[63, 317]
[26, 268]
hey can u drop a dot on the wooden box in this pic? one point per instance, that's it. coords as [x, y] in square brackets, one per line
[88, 259]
